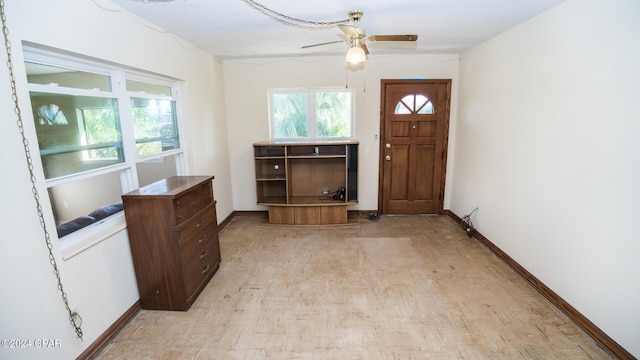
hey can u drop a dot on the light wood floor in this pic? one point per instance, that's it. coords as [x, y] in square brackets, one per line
[403, 287]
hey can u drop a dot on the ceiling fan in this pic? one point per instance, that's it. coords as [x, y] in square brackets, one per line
[357, 39]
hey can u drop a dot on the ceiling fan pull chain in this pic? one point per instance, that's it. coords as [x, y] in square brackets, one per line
[364, 78]
[74, 317]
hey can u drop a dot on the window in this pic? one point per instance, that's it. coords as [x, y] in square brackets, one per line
[102, 131]
[414, 104]
[302, 114]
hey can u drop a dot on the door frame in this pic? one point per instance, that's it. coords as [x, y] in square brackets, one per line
[445, 144]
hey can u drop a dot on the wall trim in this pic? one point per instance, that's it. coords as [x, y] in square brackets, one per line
[599, 336]
[249, 213]
[103, 340]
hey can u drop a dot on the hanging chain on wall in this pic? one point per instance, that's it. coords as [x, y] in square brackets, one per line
[74, 317]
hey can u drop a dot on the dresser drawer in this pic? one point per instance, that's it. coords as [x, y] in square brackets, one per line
[190, 203]
[197, 243]
[199, 249]
[197, 224]
[199, 265]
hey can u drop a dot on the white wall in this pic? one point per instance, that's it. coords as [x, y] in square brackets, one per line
[547, 147]
[100, 280]
[246, 83]
[543, 142]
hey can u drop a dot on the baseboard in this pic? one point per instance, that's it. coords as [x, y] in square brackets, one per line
[101, 342]
[250, 212]
[600, 337]
[364, 212]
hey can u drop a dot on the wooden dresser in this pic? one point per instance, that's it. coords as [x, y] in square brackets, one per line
[173, 234]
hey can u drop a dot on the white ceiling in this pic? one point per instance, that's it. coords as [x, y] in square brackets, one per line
[233, 29]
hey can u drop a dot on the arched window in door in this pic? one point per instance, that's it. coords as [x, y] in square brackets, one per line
[414, 104]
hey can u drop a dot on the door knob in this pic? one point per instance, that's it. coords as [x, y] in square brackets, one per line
[388, 146]
[388, 157]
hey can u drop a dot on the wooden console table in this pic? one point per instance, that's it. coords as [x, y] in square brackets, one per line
[307, 183]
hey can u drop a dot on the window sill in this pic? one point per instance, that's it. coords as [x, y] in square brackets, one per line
[81, 240]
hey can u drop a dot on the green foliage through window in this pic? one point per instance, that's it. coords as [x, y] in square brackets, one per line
[154, 125]
[333, 114]
[290, 115]
[101, 126]
[311, 114]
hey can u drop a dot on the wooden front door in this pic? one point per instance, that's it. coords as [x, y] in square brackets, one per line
[413, 145]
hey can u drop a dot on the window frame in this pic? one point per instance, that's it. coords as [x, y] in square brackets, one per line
[88, 236]
[312, 123]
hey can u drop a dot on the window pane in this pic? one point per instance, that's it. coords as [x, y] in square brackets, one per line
[426, 109]
[423, 105]
[76, 133]
[137, 86]
[289, 115]
[82, 198]
[46, 75]
[154, 125]
[156, 169]
[405, 105]
[333, 114]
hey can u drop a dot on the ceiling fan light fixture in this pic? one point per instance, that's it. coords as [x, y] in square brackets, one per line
[356, 55]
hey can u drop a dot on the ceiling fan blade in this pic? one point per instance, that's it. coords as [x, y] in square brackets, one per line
[393, 38]
[393, 45]
[321, 44]
[352, 30]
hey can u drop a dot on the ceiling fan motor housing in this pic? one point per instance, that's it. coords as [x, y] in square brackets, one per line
[355, 15]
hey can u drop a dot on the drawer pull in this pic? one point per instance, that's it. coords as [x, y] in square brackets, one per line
[206, 268]
[177, 202]
[200, 223]
[202, 239]
[204, 254]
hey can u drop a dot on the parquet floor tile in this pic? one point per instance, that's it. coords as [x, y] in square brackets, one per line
[402, 287]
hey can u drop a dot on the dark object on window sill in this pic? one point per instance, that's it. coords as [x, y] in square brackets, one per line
[106, 211]
[84, 221]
